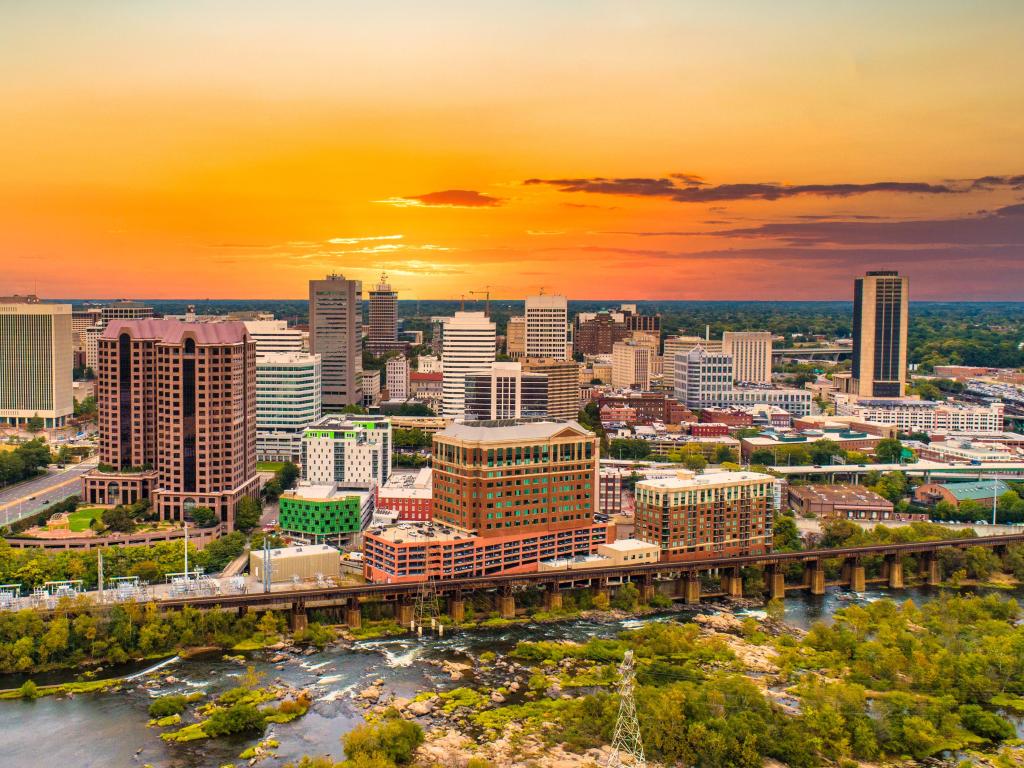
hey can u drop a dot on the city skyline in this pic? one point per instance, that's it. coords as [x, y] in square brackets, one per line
[671, 151]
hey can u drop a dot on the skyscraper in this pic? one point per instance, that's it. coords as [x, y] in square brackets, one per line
[177, 417]
[468, 347]
[288, 392]
[35, 361]
[547, 327]
[335, 333]
[631, 365]
[383, 326]
[274, 337]
[880, 319]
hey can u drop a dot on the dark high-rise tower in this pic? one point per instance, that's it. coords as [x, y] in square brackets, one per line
[383, 326]
[880, 302]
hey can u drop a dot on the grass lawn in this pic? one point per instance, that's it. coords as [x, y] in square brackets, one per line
[79, 519]
[268, 466]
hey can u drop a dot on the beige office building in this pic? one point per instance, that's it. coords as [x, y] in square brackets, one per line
[547, 327]
[515, 338]
[35, 361]
[335, 333]
[751, 355]
[563, 385]
[880, 321]
[631, 366]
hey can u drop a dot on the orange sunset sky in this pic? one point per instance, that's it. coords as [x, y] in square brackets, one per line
[690, 150]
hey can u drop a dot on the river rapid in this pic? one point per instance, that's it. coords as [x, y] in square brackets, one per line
[107, 730]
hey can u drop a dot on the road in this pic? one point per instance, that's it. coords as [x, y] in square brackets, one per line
[813, 525]
[23, 499]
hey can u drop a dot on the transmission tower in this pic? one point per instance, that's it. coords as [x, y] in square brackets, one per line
[626, 740]
[427, 610]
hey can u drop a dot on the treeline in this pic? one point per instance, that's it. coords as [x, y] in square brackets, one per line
[77, 633]
[25, 461]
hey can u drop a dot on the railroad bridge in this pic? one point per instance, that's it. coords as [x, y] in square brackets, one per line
[683, 580]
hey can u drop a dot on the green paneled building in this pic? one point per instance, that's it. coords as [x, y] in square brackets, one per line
[324, 514]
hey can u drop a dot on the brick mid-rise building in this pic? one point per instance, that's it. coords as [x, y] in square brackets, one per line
[177, 417]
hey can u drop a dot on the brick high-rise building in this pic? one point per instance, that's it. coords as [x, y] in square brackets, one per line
[700, 516]
[563, 385]
[177, 417]
[596, 332]
[515, 477]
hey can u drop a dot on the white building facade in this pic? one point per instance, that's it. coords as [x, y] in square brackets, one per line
[397, 377]
[354, 452]
[547, 327]
[468, 346]
[287, 401]
[36, 362]
[274, 337]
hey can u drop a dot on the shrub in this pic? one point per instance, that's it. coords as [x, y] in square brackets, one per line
[238, 718]
[29, 690]
[394, 739]
[174, 704]
[626, 598]
[986, 724]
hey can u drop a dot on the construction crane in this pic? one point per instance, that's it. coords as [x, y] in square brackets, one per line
[486, 293]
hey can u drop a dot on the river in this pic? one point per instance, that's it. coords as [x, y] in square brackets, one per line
[105, 730]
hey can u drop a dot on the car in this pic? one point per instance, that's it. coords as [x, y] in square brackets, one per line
[31, 498]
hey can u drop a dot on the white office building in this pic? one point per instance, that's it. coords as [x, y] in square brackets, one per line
[397, 377]
[274, 337]
[287, 401]
[468, 346]
[631, 365]
[35, 361]
[910, 415]
[547, 327]
[704, 379]
[428, 364]
[352, 451]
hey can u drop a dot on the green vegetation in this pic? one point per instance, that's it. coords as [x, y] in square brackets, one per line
[79, 634]
[284, 478]
[31, 567]
[393, 740]
[881, 682]
[23, 462]
[82, 519]
[269, 466]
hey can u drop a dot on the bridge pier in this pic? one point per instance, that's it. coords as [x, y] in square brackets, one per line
[894, 567]
[855, 574]
[243, 610]
[298, 620]
[403, 613]
[814, 577]
[691, 588]
[457, 607]
[732, 582]
[552, 598]
[931, 573]
[507, 606]
[646, 590]
[776, 578]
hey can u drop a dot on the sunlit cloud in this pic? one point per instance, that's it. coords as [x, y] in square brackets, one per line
[449, 198]
[354, 240]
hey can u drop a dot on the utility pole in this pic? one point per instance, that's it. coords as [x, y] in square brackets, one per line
[186, 555]
[995, 492]
[267, 581]
[626, 740]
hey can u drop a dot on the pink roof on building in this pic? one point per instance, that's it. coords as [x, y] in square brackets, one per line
[417, 376]
[174, 331]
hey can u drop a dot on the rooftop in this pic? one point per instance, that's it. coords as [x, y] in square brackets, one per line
[629, 545]
[175, 331]
[510, 429]
[687, 480]
[982, 490]
[327, 492]
[305, 550]
[843, 495]
[419, 532]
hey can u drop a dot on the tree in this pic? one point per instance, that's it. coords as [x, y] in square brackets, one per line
[119, 519]
[287, 475]
[272, 490]
[762, 456]
[34, 424]
[724, 453]
[889, 451]
[204, 517]
[238, 718]
[822, 451]
[354, 409]
[247, 514]
[695, 462]
[626, 598]
[971, 509]
[787, 537]
[625, 448]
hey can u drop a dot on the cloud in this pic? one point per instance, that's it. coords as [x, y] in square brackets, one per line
[1003, 226]
[685, 188]
[354, 240]
[449, 198]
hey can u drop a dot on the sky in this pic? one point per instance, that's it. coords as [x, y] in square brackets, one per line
[636, 149]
